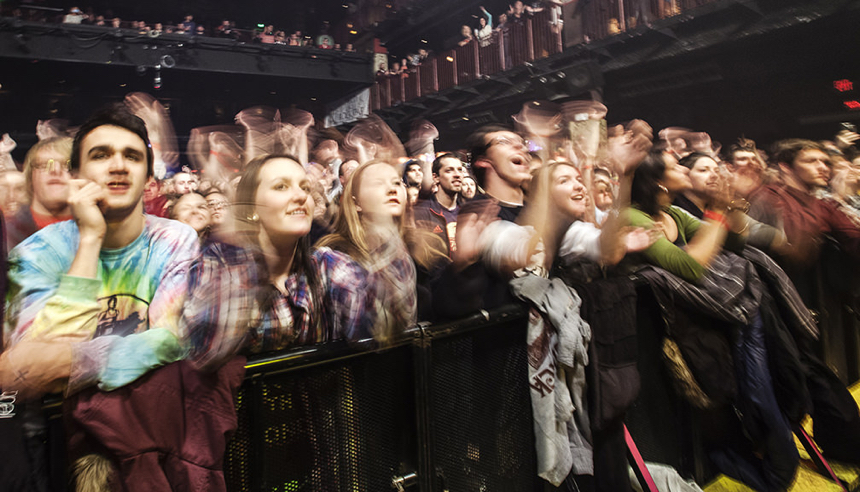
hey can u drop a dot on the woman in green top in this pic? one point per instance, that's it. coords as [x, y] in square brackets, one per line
[686, 246]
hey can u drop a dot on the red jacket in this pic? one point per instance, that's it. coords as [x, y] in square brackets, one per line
[166, 431]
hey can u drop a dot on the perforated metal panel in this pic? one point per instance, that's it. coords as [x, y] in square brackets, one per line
[481, 423]
[344, 426]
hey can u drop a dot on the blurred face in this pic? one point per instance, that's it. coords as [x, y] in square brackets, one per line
[508, 154]
[414, 175]
[705, 177]
[346, 170]
[50, 177]
[567, 192]
[468, 188]
[603, 196]
[675, 178]
[151, 191]
[482, 21]
[465, 31]
[182, 183]
[450, 177]
[810, 168]
[744, 159]
[219, 208]
[381, 193]
[115, 158]
[193, 210]
[283, 200]
[14, 190]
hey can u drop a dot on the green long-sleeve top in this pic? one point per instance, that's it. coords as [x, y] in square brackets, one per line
[663, 253]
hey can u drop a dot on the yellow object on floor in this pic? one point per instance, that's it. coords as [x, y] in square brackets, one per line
[807, 479]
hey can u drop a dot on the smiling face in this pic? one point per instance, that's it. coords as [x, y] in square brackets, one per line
[50, 177]
[381, 193]
[450, 175]
[705, 178]
[193, 210]
[283, 200]
[567, 192]
[115, 159]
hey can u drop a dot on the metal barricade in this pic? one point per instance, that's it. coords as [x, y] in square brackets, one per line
[446, 409]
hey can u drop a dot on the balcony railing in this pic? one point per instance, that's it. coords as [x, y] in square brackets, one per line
[520, 42]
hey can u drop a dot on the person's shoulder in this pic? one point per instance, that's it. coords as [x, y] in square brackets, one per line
[682, 214]
[337, 267]
[58, 240]
[169, 229]
[327, 256]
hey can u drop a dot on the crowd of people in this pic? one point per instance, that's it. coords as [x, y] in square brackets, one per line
[188, 26]
[129, 272]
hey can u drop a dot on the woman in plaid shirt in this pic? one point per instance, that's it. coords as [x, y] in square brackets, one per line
[267, 289]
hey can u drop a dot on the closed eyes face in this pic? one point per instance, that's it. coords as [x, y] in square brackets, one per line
[193, 210]
[381, 192]
[676, 178]
[284, 203]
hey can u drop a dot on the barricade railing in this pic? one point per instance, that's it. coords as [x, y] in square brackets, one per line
[530, 38]
[445, 407]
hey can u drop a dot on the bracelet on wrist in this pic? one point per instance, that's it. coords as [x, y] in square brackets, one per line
[716, 217]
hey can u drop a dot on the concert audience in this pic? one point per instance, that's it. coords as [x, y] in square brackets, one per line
[381, 264]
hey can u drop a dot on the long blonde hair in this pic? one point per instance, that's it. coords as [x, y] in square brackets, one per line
[349, 234]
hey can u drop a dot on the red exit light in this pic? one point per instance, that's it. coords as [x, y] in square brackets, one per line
[843, 85]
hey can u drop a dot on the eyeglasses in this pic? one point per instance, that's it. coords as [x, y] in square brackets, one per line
[510, 142]
[52, 164]
[218, 204]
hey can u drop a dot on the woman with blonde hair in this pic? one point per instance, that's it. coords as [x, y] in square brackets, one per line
[375, 229]
[268, 290]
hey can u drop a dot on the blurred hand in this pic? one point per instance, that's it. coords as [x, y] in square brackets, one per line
[7, 145]
[638, 239]
[469, 229]
[627, 147]
[846, 138]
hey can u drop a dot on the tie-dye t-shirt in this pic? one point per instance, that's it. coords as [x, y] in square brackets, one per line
[140, 287]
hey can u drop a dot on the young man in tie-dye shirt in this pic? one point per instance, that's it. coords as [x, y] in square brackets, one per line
[97, 300]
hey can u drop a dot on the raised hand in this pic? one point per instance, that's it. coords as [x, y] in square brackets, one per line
[627, 147]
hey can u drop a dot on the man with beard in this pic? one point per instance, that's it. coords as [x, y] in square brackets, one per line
[439, 212]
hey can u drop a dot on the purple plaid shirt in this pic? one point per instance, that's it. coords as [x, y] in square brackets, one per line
[223, 313]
